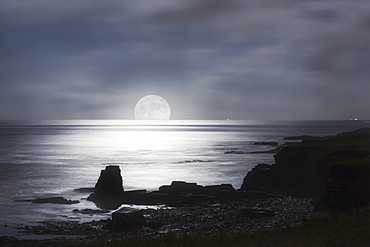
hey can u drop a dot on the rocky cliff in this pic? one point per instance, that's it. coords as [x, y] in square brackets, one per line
[305, 168]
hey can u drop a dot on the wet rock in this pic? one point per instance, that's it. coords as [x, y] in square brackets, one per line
[266, 143]
[90, 211]
[56, 200]
[108, 193]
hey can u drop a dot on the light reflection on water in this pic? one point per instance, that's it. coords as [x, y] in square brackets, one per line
[152, 157]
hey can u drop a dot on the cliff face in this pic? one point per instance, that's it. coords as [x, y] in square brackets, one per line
[304, 168]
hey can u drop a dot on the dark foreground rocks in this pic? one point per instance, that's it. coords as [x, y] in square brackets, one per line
[336, 168]
[233, 216]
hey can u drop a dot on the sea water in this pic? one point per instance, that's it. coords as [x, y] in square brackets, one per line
[53, 158]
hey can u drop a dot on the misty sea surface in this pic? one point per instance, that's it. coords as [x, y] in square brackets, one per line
[53, 158]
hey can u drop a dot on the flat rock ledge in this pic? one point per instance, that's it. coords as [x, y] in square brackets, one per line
[55, 200]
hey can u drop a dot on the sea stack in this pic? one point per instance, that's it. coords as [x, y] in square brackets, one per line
[108, 191]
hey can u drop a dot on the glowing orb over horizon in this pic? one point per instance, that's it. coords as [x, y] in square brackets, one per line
[152, 107]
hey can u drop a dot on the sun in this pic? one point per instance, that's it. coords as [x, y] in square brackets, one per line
[152, 107]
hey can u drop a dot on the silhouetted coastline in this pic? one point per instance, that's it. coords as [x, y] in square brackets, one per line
[328, 173]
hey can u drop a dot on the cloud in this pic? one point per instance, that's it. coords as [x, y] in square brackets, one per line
[345, 50]
[39, 11]
[281, 59]
[224, 15]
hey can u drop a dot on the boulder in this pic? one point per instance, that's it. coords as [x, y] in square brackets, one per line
[108, 192]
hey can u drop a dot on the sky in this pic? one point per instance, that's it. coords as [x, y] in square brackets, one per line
[210, 59]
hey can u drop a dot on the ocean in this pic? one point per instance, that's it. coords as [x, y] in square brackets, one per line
[53, 158]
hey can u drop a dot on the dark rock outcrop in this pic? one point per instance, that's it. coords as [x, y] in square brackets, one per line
[181, 193]
[109, 182]
[108, 192]
[265, 143]
[261, 178]
[90, 211]
[271, 151]
[235, 152]
[218, 188]
[184, 187]
[55, 200]
[180, 186]
[304, 168]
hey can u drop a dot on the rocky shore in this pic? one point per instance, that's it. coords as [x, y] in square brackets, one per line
[326, 172]
[214, 217]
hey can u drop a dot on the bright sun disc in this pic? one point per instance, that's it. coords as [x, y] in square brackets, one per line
[152, 107]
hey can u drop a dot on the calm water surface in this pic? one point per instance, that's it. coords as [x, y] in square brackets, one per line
[50, 158]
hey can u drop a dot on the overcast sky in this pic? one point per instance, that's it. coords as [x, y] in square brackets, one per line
[210, 59]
